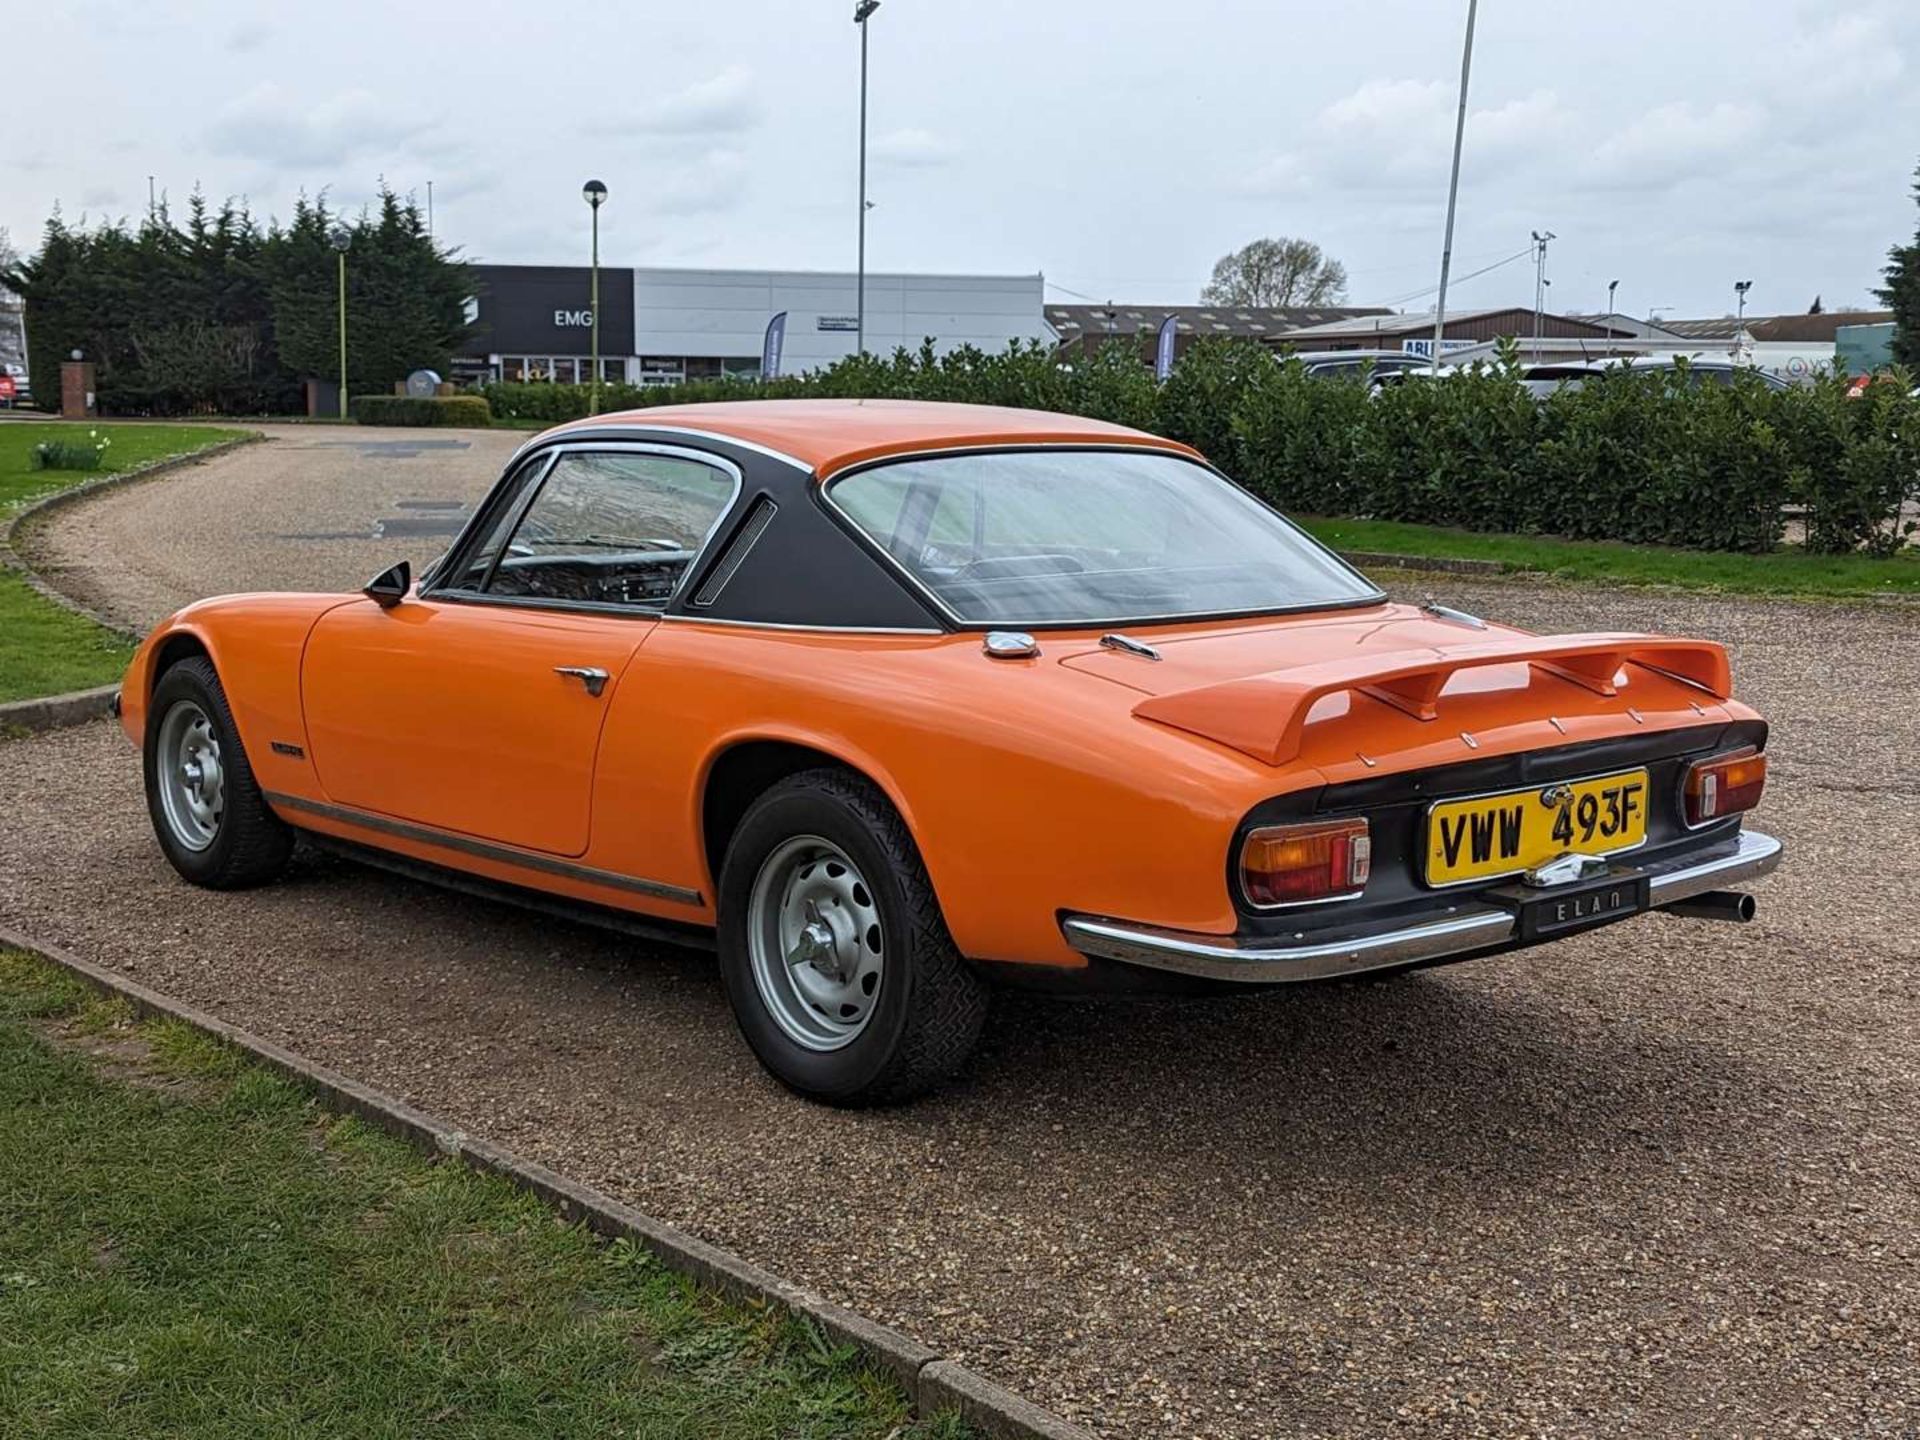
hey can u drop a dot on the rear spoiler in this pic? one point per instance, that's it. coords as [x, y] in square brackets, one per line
[1265, 716]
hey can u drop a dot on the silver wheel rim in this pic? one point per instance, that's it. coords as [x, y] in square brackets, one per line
[192, 781]
[815, 943]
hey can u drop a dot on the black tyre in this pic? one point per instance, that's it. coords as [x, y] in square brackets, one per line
[212, 824]
[833, 950]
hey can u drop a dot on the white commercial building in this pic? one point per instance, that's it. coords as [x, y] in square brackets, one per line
[689, 323]
[662, 327]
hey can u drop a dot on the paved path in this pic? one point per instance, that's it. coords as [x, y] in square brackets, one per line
[317, 507]
[1660, 1180]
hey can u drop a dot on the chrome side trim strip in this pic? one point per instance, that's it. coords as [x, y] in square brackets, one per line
[1473, 927]
[666, 433]
[484, 849]
[702, 619]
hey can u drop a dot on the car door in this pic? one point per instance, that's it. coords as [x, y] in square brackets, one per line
[476, 705]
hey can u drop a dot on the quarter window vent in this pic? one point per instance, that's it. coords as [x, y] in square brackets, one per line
[735, 555]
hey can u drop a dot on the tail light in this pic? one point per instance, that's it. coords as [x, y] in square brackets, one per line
[1724, 785]
[1293, 864]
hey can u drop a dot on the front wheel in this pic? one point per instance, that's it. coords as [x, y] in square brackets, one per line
[212, 822]
[835, 956]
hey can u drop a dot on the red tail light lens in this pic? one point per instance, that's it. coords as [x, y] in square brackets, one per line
[1320, 860]
[1724, 785]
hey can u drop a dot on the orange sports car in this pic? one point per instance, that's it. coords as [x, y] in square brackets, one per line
[886, 701]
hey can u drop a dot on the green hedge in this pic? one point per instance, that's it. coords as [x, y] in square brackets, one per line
[1641, 456]
[469, 410]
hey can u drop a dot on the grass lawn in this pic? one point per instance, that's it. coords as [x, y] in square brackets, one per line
[44, 648]
[191, 1247]
[1788, 571]
[132, 445]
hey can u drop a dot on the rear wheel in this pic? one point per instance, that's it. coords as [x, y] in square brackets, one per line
[207, 811]
[836, 959]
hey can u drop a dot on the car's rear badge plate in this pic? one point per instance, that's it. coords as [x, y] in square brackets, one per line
[1485, 837]
[1575, 907]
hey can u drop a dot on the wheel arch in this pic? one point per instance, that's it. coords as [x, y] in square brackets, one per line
[172, 648]
[745, 767]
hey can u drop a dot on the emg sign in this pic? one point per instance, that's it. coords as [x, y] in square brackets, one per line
[549, 310]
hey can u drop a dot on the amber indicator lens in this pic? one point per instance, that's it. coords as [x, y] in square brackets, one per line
[1321, 860]
[1725, 785]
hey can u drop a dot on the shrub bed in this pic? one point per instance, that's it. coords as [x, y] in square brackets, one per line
[1640, 456]
[472, 410]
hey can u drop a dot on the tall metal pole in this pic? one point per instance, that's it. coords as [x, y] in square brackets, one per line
[343, 333]
[861, 13]
[1540, 239]
[341, 239]
[593, 407]
[1453, 185]
[595, 194]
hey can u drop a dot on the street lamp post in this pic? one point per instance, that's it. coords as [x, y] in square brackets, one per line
[1612, 285]
[341, 239]
[1453, 186]
[862, 12]
[1740, 288]
[595, 194]
[1540, 239]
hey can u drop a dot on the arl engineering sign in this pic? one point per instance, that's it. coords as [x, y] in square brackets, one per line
[573, 319]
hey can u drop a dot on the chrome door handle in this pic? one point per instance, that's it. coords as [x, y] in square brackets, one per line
[591, 676]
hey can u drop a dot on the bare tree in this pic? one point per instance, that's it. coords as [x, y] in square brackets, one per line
[1277, 271]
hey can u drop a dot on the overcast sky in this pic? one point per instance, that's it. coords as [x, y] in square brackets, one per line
[1116, 145]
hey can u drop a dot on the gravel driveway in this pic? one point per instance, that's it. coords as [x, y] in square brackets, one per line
[319, 507]
[1659, 1180]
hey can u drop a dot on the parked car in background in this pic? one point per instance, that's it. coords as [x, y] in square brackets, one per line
[1351, 364]
[1547, 377]
[887, 701]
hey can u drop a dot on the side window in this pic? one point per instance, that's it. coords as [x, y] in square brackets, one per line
[618, 528]
[473, 572]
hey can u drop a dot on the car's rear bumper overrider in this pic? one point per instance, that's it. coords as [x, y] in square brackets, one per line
[1461, 929]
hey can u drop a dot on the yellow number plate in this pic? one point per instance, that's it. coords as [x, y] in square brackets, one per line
[1505, 834]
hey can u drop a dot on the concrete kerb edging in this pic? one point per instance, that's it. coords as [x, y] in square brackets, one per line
[50, 712]
[933, 1382]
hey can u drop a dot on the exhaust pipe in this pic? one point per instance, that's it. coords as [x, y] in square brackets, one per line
[1714, 905]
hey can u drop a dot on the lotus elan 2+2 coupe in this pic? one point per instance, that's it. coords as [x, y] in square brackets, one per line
[887, 701]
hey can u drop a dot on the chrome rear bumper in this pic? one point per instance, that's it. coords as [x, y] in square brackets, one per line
[1464, 927]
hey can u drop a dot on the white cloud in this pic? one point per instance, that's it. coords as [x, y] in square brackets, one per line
[715, 181]
[911, 149]
[1675, 142]
[248, 36]
[726, 103]
[1396, 134]
[272, 127]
